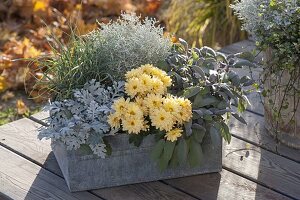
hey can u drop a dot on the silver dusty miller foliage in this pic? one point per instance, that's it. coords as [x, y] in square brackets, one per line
[83, 119]
[128, 43]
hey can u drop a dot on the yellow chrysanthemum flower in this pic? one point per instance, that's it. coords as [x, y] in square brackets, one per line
[157, 72]
[171, 105]
[167, 81]
[140, 102]
[133, 73]
[133, 87]
[146, 83]
[133, 110]
[157, 86]
[162, 119]
[114, 120]
[133, 125]
[153, 101]
[120, 105]
[146, 69]
[185, 113]
[173, 134]
[145, 126]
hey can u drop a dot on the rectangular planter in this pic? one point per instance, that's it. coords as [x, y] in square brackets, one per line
[127, 164]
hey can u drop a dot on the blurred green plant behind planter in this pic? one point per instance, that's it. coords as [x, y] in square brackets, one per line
[204, 22]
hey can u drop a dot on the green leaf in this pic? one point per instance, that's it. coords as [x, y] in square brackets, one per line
[208, 117]
[183, 43]
[215, 136]
[188, 128]
[86, 149]
[179, 80]
[222, 104]
[234, 78]
[241, 106]
[199, 70]
[238, 117]
[195, 155]
[158, 134]
[209, 51]
[195, 55]
[201, 101]
[198, 127]
[167, 154]
[108, 147]
[174, 160]
[255, 85]
[209, 63]
[182, 151]
[198, 135]
[192, 91]
[221, 57]
[243, 63]
[247, 56]
[225, 132]
[158, 149]
[228, 91]
[136, 139]
[164, 66]
[95, 138]
[272, 3]
[246, 81]
[199, 112]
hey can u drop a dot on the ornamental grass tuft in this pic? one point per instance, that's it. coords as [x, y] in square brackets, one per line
[105, 54]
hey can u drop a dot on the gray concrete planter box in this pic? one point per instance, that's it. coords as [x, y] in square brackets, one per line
[127, 164]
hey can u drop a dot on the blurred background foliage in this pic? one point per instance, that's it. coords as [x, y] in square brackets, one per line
[26, 26]
[205, 22]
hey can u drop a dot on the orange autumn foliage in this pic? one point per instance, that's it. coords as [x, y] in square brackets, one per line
[25, 26]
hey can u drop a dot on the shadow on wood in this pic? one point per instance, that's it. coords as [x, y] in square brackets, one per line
[47, 185]
[205, 186]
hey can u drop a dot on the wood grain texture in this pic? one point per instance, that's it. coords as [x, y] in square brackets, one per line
[21, 136]
[264, 167]
[255, 133]
[242, 46]
[224, 186]
[144, 191]
[21, 179]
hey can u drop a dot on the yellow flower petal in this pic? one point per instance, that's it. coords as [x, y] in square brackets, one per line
[173, 134]
[114, 120]
[133, 125]
[162, 119]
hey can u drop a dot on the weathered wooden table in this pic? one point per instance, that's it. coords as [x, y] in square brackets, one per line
[254, 166]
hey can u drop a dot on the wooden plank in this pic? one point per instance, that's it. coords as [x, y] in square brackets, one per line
[255, 133]
[21, 179]
[224, 185]
[263, 166]
[35, 149]
[27, 144]
[142, 191]
[21, 136]
[242, 46]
